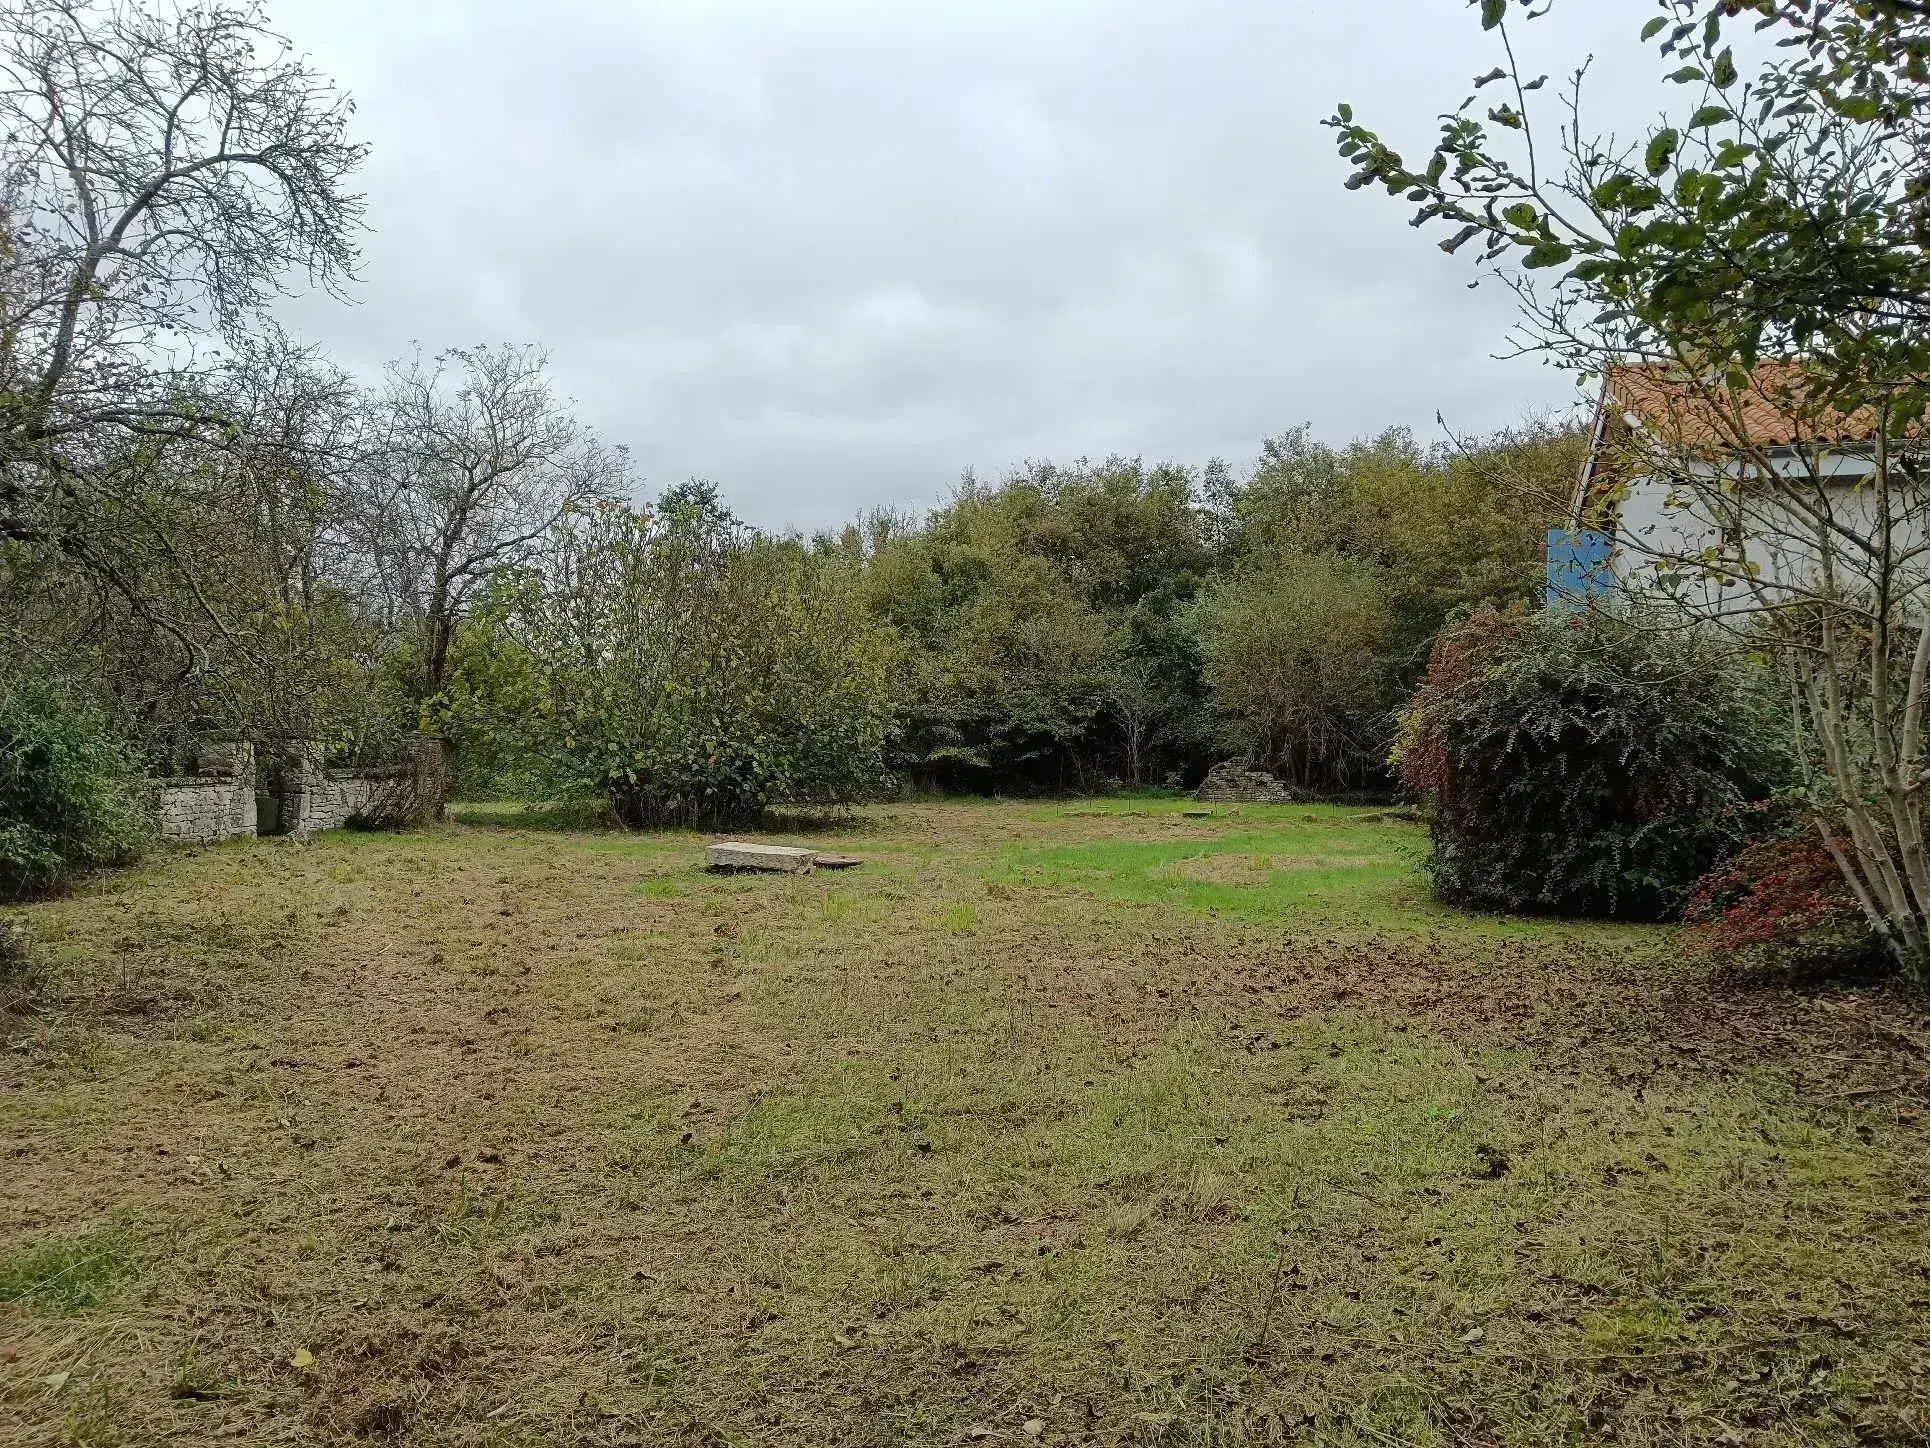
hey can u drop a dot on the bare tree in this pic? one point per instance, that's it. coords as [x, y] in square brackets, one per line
[473, 460]
[166, 169]
[218, 592]
[1756, 507]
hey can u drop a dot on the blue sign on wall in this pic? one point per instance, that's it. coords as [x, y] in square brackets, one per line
[1578, 565]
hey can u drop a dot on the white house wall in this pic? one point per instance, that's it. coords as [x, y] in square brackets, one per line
[1660, 524]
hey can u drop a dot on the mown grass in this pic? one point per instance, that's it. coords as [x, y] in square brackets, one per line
[1316, 863]
[1108, 1123]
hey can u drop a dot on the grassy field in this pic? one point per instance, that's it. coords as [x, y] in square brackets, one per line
[1068, 1123]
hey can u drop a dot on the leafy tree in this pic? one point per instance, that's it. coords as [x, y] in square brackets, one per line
[1032, 610]
[1781, 213]
[237, 604]
[1153, 685]
[1343, 564]
[484, 712]
[1298, 657]
[692, 676]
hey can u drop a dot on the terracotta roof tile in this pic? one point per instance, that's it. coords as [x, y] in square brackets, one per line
[1666, 402]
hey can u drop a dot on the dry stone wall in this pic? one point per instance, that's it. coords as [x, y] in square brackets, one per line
[1233, 783]
[295, 794]
[216, 802]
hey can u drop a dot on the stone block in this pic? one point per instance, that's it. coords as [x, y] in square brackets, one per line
[775, 859]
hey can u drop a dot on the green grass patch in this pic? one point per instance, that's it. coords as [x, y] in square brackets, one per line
[1196, 1226]
[1297, 861]
[1323, 865]
[1148, 1125]
[69, 1276]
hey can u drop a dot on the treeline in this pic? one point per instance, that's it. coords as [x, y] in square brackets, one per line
[1073, 628]
[1098, 624]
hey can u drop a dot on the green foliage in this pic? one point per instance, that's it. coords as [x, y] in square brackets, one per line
[1777, 213]
[483, 712]
[693, 674]
[1113, 622]
[71, 794]
[1046, 625]
[1298, 653]
[1585, 765]
[1344, 563]
[1781, 212]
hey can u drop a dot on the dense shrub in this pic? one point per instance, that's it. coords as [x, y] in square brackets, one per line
[1298, 657]
[71, 796]
[481, 713]
[1781, 905]
[692, 674]
[1583, 764]
[1044, 624]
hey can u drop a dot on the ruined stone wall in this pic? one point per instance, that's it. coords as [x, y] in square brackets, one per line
[216, 802]
[1232, 783]
[307, 797]
[295, 794]
[328, 799]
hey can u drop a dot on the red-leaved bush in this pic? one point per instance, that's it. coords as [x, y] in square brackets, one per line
[1782, 904]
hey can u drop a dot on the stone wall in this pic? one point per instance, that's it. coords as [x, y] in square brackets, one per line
[295, 794]
[316, 799]
[1233, 783]
[216, 802]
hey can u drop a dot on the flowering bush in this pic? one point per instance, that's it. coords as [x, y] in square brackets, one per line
[1782, 904]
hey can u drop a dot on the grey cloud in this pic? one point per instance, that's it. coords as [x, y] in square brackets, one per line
[831, 254]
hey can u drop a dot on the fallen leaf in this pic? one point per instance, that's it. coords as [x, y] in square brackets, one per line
[302, 1360]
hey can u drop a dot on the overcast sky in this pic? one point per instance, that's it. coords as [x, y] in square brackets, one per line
[829, 254]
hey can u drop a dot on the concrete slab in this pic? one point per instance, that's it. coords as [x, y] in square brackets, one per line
[774, 859]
